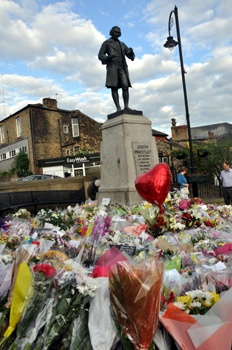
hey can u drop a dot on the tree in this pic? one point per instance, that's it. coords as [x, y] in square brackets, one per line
[22, 164]
[217, 154]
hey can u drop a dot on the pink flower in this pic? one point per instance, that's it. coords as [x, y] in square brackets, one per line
[183, 204]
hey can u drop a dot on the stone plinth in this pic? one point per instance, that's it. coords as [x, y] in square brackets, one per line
[128, 149]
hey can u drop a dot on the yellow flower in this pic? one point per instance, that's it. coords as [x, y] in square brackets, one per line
[207, 303]
[35, 223]
[184, 299]
[53, 254]
[147, 205]
[216, 296]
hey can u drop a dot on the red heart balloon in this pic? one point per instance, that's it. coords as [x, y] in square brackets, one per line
[154, 185]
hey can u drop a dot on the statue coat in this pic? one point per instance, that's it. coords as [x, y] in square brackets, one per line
[109, 48]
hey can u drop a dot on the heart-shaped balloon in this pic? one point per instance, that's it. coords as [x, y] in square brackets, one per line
[154, 185]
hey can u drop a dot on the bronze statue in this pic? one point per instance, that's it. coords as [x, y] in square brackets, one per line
[112, 53]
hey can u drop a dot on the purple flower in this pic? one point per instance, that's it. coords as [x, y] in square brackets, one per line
[101, 225]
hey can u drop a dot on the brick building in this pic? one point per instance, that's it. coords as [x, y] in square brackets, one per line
[45, 131]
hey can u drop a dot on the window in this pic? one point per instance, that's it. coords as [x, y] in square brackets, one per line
[23, 149]
[3, 156]
[65, 129]
[164, 160]
[78, 172]
[12, 153]
[18, 126]
[75, 127]
[2, 135]
[67, 152]
[76, 149]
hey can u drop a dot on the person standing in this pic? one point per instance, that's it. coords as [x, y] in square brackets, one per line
[93, 189]
[182, 181]
[226, 179]
[112, 53]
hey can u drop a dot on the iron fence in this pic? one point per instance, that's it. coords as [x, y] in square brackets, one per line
[207, 190]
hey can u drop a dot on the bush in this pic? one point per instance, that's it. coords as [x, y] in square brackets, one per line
[22, 164]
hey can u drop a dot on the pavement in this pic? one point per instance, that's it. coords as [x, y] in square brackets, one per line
[212, 200]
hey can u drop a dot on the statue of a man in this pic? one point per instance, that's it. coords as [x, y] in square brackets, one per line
[112, 53]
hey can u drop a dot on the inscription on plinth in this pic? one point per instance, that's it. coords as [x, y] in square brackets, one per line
[142, 157]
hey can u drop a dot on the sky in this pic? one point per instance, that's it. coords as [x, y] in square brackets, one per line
[49, 48]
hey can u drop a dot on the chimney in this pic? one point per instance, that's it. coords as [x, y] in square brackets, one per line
[50, 103]
[173, 122]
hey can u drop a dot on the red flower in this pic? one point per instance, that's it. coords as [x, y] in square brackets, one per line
[208, 223]
[83, 231]
[36, 242]
[47, 269]
[162, 211]
[171, 297]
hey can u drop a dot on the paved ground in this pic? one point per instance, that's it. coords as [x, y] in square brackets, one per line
[218, 201]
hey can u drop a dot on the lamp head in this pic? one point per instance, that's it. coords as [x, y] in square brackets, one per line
[170, 43]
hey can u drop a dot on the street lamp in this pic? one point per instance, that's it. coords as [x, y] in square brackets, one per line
[170, 44]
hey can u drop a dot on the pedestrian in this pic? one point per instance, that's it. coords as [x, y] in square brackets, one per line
[182, 181]
[93, 189]
[226, 179]
[112, 53]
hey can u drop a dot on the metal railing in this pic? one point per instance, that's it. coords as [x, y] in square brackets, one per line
[207, 190]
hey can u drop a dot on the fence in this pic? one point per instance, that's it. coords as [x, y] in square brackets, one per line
[207, 190]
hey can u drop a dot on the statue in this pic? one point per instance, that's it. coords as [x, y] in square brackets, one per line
[112, 53]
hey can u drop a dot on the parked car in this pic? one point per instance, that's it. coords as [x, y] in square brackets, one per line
[39, 177]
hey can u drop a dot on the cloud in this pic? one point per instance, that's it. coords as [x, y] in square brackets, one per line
[49, 49]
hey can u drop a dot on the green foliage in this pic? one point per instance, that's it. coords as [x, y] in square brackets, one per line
[22, 164]
[9, 172]
[81, 151]
[180, 153]
[212, 162]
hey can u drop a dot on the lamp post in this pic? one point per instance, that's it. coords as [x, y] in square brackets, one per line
[170, 44]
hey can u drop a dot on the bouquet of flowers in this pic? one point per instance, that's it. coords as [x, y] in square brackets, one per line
[135, 291]
[209, 331]
[196, 302]
[53, 304]
[22, 214]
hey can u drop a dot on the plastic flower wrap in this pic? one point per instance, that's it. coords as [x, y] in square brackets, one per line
[106, 260]
[217, 281]
[41, 288]
[73, 291]
[22, 289]
[135, 291]
[211, 331]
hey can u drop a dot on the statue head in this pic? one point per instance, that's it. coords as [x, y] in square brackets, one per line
[115, 32]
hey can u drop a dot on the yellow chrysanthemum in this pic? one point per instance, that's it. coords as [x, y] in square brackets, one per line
[53, 254]
[216, 296]
[184, 299]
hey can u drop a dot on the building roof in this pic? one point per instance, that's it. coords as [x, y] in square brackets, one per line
[212, 130]
[158, 133]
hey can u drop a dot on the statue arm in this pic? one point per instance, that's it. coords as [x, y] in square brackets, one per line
[103, 54]
[130, 53]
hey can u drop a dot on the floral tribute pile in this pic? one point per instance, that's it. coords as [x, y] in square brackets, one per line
[96, 277]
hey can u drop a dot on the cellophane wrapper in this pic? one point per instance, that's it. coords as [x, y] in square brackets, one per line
[135, 291]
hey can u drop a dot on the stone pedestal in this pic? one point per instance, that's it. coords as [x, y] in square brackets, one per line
[128, 149]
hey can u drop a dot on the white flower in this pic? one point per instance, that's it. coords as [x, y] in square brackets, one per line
[116, 238]
[195, 304]
[179, 226]
[180, 305]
